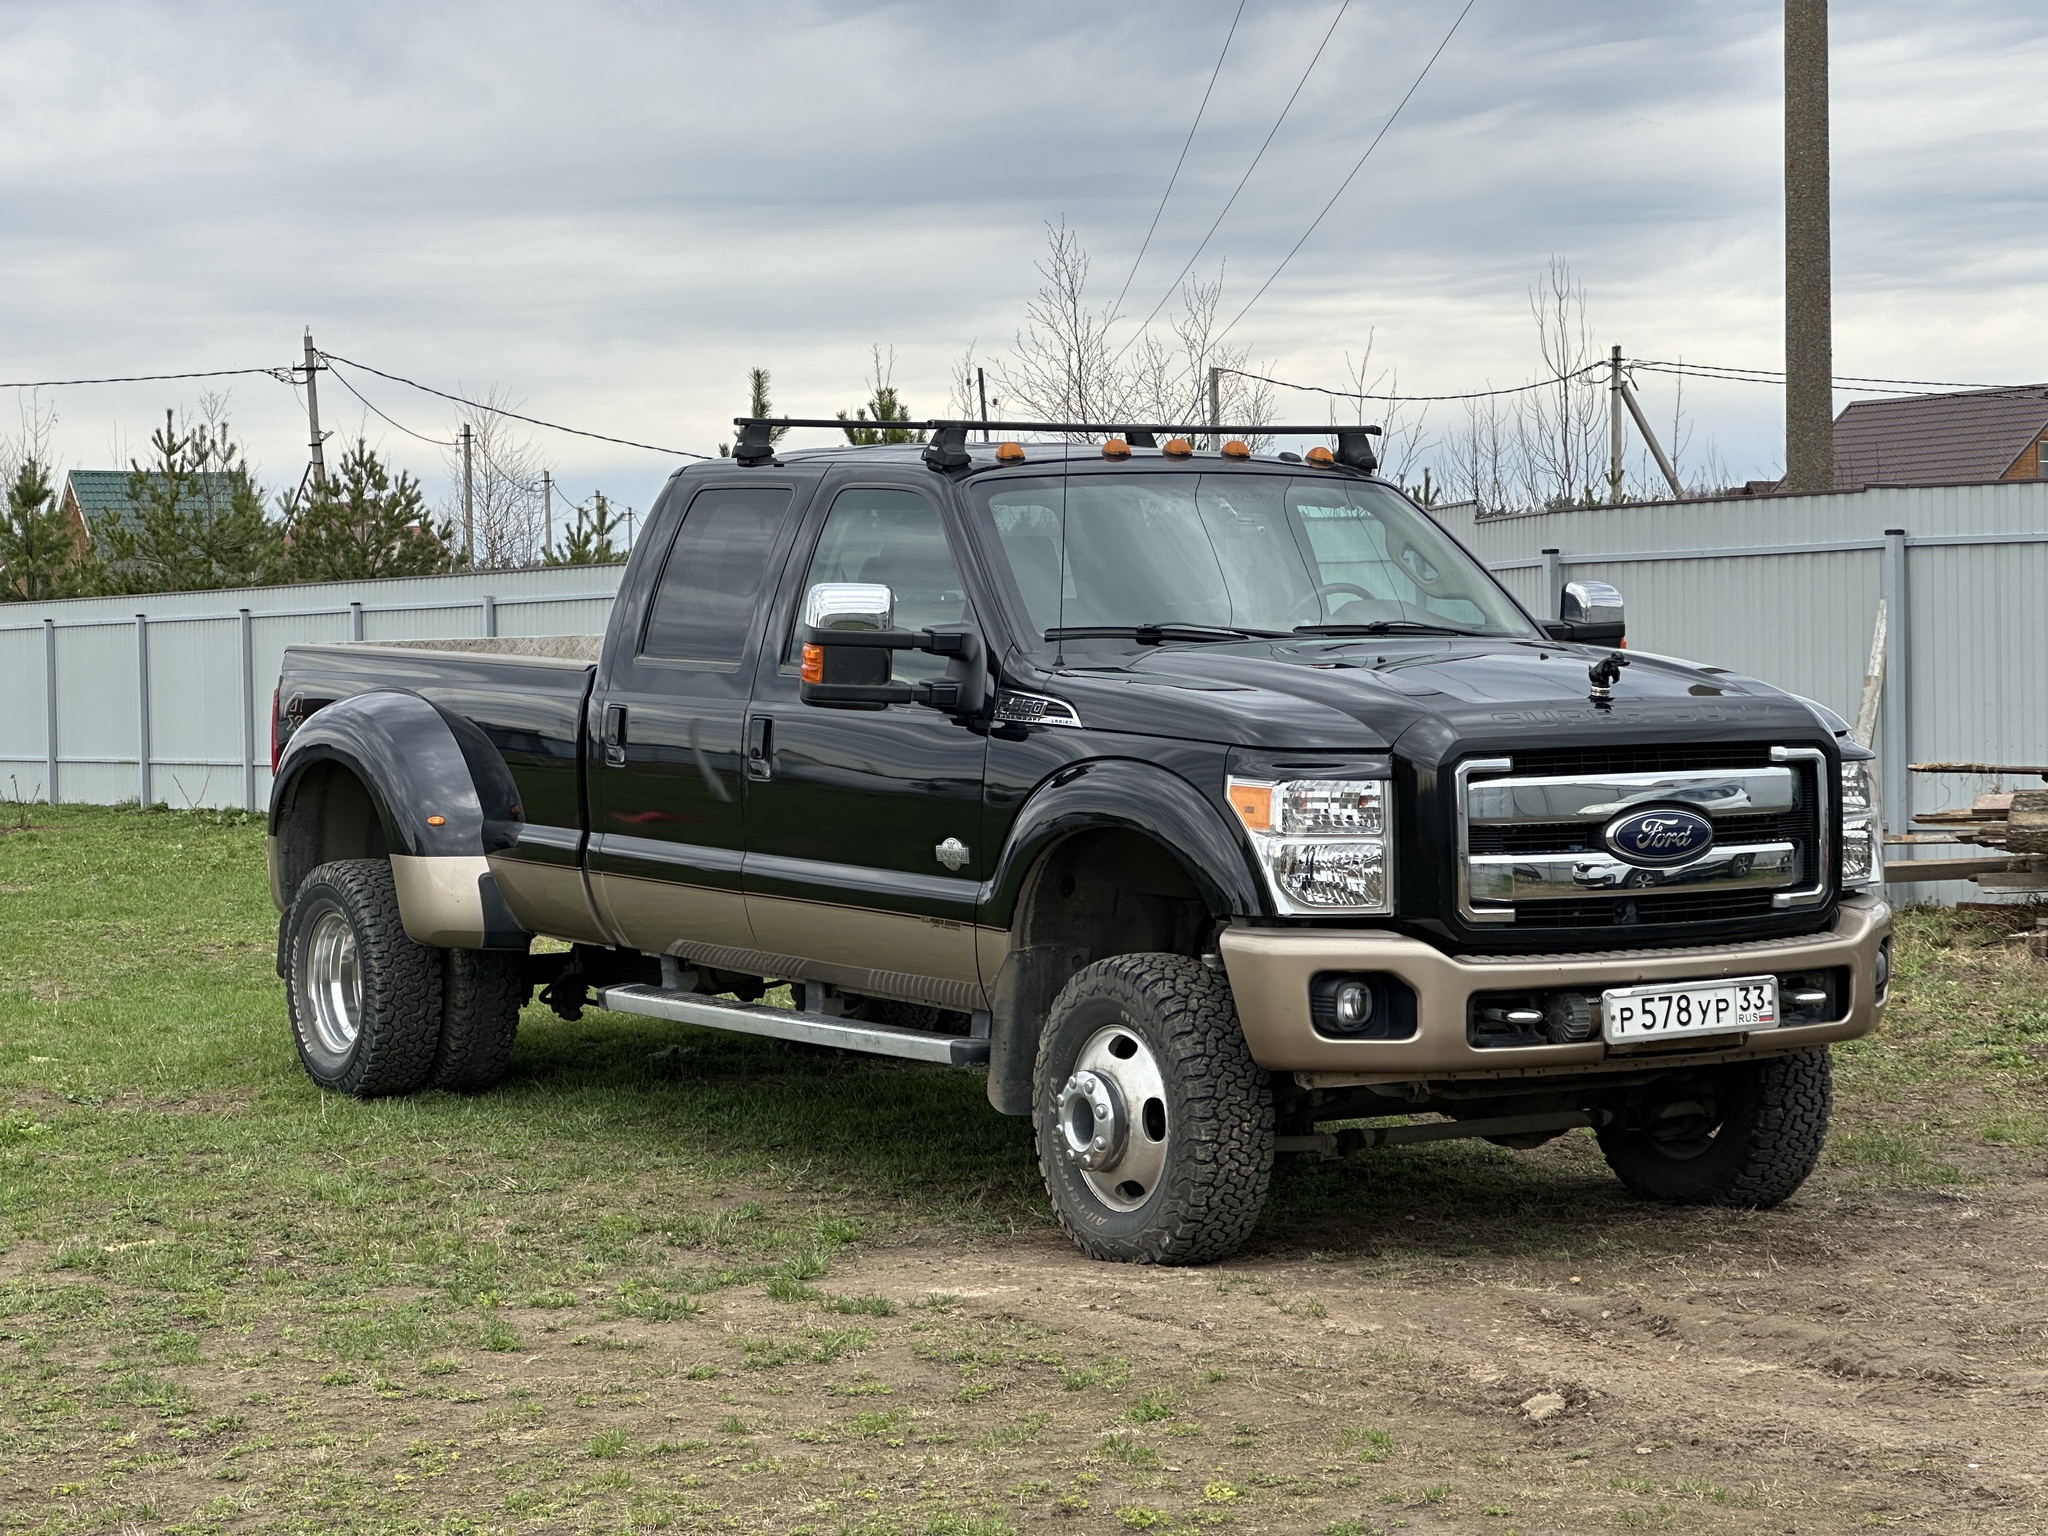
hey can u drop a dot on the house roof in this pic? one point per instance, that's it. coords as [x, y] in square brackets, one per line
[1937, 439]
[101, 492]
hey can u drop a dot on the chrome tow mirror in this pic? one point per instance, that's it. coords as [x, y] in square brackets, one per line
[1590, 612]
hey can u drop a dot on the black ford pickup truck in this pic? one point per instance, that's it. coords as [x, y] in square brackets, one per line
[1217, 804]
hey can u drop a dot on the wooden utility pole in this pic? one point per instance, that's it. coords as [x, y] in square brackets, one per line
[1614, 436]
[313, 411]
[468, 503]
[1809, 303]
[547, 496]
[1215, 408]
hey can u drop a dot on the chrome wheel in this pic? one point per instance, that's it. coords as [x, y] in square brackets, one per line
[334, 982]
[1113, 1120]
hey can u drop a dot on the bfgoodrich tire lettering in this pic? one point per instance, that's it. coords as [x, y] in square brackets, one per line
[482, 992]
[1202, 1137]
[1760, 1136]
[364, 999]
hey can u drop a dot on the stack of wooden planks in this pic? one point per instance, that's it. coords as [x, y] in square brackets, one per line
[2010, 827]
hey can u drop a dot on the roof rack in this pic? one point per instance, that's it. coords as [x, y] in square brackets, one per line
[948, 446]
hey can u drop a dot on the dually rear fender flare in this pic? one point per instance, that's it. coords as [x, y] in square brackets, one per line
[445, 800]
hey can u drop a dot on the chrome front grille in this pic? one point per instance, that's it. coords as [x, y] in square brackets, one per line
[1531, 848]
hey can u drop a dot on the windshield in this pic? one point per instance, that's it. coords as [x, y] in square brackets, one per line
[1173, 554]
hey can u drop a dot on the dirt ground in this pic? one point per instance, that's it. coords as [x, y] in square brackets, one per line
[1857, 1360]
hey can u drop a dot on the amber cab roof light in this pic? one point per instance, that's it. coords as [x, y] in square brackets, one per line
[1010, 453]
[1177, 448]
[1116, 448]
[1320, 455]
[1237, 448]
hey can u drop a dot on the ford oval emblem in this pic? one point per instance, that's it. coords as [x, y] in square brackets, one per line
[1665, 835]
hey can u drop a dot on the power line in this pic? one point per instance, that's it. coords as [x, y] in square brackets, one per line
[1184, 271]
[1848, 383]
[498, 410]
[1146, 243]
[282, 375]
[408, 431]
[1346, 182]
[1477, 394]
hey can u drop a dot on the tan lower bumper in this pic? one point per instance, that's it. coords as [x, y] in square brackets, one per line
[1269, 971]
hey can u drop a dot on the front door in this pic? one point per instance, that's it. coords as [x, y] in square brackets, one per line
[864, 851]
[666, 790]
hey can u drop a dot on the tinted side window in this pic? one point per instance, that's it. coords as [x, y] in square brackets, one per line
[714, 574]
[894, 538]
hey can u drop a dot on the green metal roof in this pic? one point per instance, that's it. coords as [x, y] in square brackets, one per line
[99, 492]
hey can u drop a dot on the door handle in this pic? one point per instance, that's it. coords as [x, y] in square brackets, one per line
[615, 735]
[760, 747]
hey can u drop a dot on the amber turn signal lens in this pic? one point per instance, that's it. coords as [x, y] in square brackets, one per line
[1010, 453]
[1116, 448]
[1236, 449]
[1320, 456]
[1178, 448]
[814, 664]
[437, 821]
[1254, 806]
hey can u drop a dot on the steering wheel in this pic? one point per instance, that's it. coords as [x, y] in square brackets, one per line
[1327, 588]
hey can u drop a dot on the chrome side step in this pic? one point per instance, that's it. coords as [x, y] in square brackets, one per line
[789, 1024]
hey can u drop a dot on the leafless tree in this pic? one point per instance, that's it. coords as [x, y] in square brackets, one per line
[1559, 427]
[1065, 366]
[506, 488]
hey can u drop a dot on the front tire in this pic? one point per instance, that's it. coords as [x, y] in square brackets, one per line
[1154, 1124]
[364, 999]
[1748, 1137]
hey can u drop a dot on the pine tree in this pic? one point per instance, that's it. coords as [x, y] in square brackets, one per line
[198, 519]
[39, 554]
[884, 405]
[589, 540]
[362, 524]
[758, 405]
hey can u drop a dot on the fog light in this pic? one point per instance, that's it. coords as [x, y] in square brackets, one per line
[1881, 972]
[1353, 1005]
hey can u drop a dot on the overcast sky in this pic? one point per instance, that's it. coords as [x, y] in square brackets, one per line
[611, 210]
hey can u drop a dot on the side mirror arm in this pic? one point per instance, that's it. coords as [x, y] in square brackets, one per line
[839, 668]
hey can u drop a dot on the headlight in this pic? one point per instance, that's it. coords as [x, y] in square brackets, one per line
[1862, 830]
[1322, 842]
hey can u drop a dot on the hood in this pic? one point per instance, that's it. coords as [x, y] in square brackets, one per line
[1423, 697]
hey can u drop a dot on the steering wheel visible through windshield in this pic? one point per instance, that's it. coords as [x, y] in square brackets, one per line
[1261, 554]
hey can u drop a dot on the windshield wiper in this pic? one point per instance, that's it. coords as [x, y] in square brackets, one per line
[1156, 634]
[1384, 627]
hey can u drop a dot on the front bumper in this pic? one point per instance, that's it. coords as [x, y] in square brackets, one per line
[1270, 968]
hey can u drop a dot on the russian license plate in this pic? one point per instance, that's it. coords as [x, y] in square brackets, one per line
[1689, 1008]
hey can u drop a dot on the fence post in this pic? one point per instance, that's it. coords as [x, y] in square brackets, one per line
[50, 703]
[355, 621]
[490, 615]
[1894, 740]
[248, 714]
[1553, 585]
[142, 708]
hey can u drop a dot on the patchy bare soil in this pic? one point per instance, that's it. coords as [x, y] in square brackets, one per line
[1859, 1359]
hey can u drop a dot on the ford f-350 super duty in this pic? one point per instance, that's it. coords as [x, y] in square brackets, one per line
[1215, 803]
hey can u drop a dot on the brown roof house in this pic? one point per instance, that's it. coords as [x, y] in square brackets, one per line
[1961, 439]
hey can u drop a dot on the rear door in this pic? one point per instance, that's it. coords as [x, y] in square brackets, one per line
[666, 789]
[864, 847]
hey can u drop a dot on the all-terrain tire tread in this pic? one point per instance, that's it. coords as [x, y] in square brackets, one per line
[1785, 1116]
[1226, 1121]
[482, 992]
[401, 978]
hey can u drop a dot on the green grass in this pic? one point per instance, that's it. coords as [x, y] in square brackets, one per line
[208, 1264]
